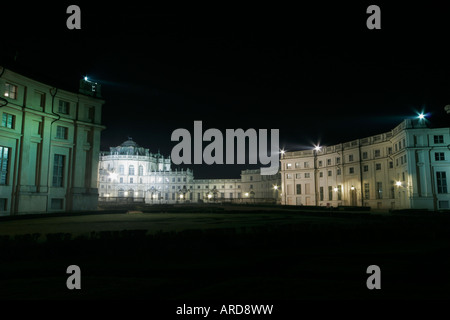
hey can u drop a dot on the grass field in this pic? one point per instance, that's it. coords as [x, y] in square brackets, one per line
[240, 253]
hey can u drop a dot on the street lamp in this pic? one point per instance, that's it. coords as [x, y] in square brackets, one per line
[398, 183]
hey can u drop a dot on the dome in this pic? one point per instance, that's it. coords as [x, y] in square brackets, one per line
[129, 143]
[129, 147]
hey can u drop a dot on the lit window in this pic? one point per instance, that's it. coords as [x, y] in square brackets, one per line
[10, 91]
[8, 120]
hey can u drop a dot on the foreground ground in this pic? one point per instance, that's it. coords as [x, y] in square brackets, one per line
[252, 254]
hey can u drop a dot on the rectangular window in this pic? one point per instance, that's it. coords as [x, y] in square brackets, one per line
[8, 120]
[288, 165]
[379, 190]
[57, 204]
[307, 175]
[439, 139]
[298, 176]
[391, 164]
[131, 180]
[321, 193]
[239, 195]
[338, 171]
[339, 192]
[121, 180]
[389, 150]
[61, 132]
[330, 193]
[351, 170]
[58, 170]
[330, 173]
[10, 91]
[299, 189]
[329, 162]
[306, 164]
[320, 174]
[366, 191]
[442, 204]
[3, 204]
[231, 195]
[40, 96]
[338, 160]
[364, 155]
[365, 168]
[4, 159]
[350, 157]
[441, 178]
[377, 153]
[297, 164]
[63, 107]
[320, 163]
[222, 195]
[91, 113]
[289, 176]
[377, 166]
[439, 156]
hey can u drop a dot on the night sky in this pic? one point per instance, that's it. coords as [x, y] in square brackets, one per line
[316, 73]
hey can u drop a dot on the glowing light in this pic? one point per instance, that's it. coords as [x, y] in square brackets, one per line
[181, 196]
[246, 194]
[335, 189]
[398, 183]
[155, 196]
[352, 188]
[275, 187]
[282, 151]
[317, 148]
[85, 78]
[6, 94]
[209, 196]
[421, 116]
[125, 193]
[113, 175]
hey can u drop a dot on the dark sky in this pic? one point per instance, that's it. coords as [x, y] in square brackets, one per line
[316, 73]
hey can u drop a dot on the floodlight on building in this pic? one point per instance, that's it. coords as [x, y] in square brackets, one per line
[352, 188]
[126, 193]
[275, 187]
[398, 183]
[181, 196]
[209, 196]
[335, 189]
[246, 194]
[113, 175]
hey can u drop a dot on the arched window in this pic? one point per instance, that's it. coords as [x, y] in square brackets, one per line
[131, 193]
[121, 169]
[120, 193]
[141, 170]
[131, 170]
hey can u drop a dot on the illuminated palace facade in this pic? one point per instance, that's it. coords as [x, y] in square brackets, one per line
[131, 173]
[407, 167]
[49, 146]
